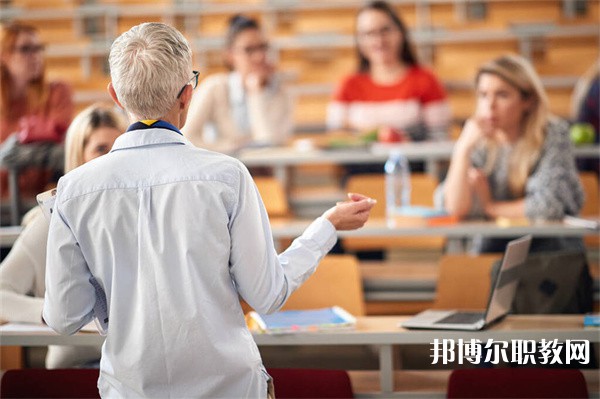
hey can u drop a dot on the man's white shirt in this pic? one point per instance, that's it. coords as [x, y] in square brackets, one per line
[174, 235]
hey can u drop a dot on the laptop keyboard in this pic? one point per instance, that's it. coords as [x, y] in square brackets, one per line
[461, 318]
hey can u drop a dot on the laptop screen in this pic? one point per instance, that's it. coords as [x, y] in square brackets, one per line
[506, 283]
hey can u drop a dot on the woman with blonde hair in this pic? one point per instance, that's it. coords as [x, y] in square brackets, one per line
[22, 272]
[513, 159]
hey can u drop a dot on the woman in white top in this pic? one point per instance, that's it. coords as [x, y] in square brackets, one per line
[22, 273]
[246, 106]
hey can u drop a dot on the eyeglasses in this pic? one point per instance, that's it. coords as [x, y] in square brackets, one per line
[193, 81]
[29, 49]
[384, 31]
[250, 50]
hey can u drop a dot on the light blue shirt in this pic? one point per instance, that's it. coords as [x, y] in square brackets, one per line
[173, 234]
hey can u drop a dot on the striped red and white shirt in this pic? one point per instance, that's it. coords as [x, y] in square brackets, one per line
[416, 103]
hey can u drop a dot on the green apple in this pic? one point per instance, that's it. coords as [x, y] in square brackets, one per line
[370, 136]
[582, 133]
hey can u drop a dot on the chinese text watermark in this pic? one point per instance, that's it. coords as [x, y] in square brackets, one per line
[519, 351]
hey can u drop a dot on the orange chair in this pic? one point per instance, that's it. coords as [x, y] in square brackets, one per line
[336, 282]
[517, 383]
[42, 383]
[373, 185]
[591, 205]
[455, 288]
[309, 383]
[273, 195]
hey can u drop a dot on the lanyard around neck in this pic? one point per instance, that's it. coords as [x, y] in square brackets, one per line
[152, 124]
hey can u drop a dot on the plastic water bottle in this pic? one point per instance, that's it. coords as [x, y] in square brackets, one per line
[397, 184]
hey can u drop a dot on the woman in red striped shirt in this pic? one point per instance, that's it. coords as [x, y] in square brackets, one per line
[391, 89]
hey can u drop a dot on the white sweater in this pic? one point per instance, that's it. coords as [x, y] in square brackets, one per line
[238, 118]
[22, 288]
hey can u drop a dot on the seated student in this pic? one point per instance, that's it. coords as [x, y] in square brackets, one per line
[34, 112]
[22, 273]
[246, 106]
[513, 159]
[391, 89]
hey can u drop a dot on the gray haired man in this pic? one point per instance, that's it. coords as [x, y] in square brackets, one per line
[173, 235]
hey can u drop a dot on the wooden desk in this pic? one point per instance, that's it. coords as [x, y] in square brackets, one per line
[291, 228]
[378, 331]
[286, 228]
[279, 158]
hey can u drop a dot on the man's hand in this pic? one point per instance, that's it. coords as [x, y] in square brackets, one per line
[352, 214]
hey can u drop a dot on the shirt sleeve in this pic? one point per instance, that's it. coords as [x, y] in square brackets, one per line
[70, 297]
[554, 189]
[264, 279]
[20, 273]
[476, 211]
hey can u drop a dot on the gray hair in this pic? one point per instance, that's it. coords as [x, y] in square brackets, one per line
[149, 64]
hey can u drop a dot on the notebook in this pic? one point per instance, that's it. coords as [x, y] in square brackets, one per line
[499, 303]
[293, 321]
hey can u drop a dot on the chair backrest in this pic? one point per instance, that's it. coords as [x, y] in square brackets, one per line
[591, 205]
[517, 383]
[337, 282]
[273, 195]
[464, 281]
[309, 383]
[373, 185]
[43, 383]
[11, 357]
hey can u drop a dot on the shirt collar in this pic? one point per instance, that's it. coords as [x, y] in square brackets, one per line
[147, 137]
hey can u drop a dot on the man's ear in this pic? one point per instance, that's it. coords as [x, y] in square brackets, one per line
[113, 94]
[186, 97]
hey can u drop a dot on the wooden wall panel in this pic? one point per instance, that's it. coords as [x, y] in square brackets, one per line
[567, 56]
[460, 61]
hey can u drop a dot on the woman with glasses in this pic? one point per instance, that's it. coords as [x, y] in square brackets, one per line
[391, 91]
[248, 105]
[22, 273]
[32, 109]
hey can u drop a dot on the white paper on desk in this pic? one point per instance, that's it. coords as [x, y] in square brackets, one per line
[46, 201]
[587, 223]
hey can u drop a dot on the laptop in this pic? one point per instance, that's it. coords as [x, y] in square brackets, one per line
[499, 303]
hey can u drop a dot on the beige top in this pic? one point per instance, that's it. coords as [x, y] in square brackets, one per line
[239, 118]
[22, 288]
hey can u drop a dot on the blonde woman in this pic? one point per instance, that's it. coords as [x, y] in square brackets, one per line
[512, 159]
[22, 273]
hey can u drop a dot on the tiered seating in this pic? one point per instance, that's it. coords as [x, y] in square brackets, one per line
[314, 40]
